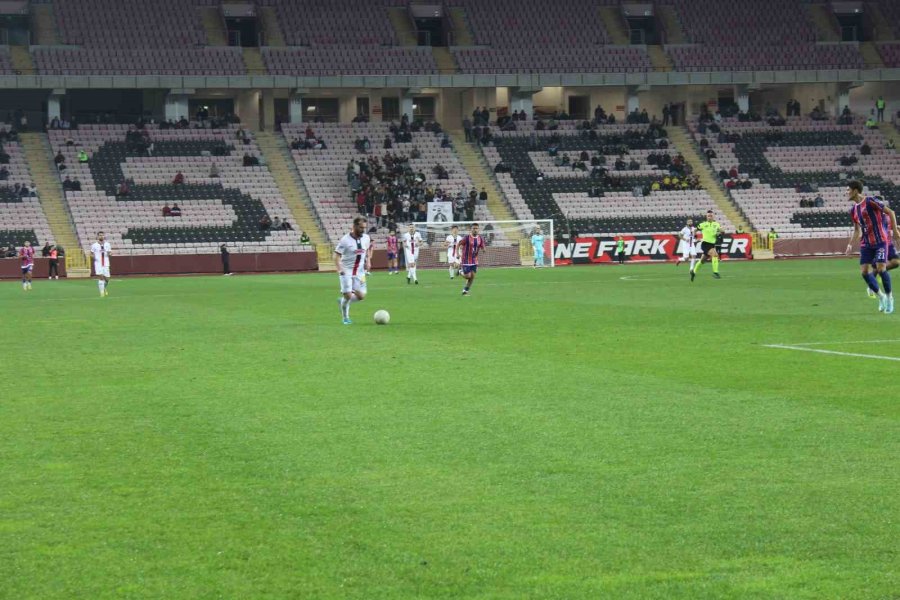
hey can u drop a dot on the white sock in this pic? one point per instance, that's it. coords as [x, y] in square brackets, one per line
[413, 271]
[101, 285]
[693, 260]
[345, 308]
[451, 271]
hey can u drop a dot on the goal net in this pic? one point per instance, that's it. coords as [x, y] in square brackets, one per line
[507, 243]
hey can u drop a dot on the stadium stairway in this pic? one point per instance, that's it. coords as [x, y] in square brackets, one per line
[403, 26]
[462, 33]
[43, 171]
[443, 59]
[477, 167]
[682, 143]
[881, 33]
[43, 25]
[870, 55]
[659, 59]
[21, 61]
[671, 24]
[253, 61]
[214, 25]
[270, 26]
[281, 165]
[615, 25]
[824, 22]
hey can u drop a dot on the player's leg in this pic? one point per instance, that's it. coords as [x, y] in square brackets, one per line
[346, 294]
[881, 268]
[412, 270]
[714, 258]
[106, 282]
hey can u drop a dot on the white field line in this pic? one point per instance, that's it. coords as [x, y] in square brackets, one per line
[834, 352]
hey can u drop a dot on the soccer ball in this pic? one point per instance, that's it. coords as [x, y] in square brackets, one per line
[382, 317]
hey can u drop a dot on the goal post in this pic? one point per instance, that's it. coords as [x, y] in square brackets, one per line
[507, 243]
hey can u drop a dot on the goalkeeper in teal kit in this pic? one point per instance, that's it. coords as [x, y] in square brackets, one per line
[537, 244]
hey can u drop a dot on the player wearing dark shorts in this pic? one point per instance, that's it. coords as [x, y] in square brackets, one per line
[874, 232]
[469, 247]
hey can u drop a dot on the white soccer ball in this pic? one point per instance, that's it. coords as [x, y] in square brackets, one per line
[382, 317]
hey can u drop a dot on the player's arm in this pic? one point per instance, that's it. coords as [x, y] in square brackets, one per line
[337, 263]
[853, 237]
[369, 254]
[892, 216]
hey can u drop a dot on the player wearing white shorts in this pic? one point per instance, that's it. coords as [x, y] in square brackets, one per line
[412, 241]
[100, 250]
[688, 247]
[352, 258]
[453, 251]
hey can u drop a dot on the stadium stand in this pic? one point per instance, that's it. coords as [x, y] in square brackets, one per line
[592, 203]
[6, 67]
[890, 54]
[754, 34]
[21, 216]
[802, 160]
[348, 60]
[534, 37]
[324, 172]
[224, 209]
[107, 36]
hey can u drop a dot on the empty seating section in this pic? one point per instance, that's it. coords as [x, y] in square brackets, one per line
[326, 22]
[181, 61]
[563, 194]
[134, 37]
[532, 36]
[778, 160]
[324, 172]
[536, 59]
[349, 60]
[766, 58]
[129, 23]
[890, 9]
[890, 54]
[21, 218]
[215, 210]
[754, 34]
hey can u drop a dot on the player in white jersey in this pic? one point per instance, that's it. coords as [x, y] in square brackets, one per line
[453, 251]
[352, 259]
[100, 251]
[412, 241]
[686, 241]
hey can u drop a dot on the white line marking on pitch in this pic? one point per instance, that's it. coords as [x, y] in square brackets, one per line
[854, 342]
[803, 349]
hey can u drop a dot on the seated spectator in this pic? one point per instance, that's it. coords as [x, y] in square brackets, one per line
[24, 192]
[4, 174]
[710, 154]
[304, 238]
[890, 144]
[731, 184]
[213, 171]
[178, 179]
[819, 202]
[167, 210]
[4, 157]
[76, 185]
[276, 223]
[634, 165]
[265, 223]
[247, 160]
[846, 117]
[388, 144]
[745, 183]
[83, 156]
[445, 142]
[414, 153]
[539, 176]
[286, 225]
[175, 211]
[59, 158]
[123, 189]
[620, 164]
[704, 143]
[565, 159]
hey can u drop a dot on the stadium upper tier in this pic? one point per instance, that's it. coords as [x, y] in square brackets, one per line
[802, 159]
[509, 36]
[227, 208]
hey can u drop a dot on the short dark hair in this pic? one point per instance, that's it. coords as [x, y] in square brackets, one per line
[473, 225]
[358, 220]
[454, 227]
[855, 185]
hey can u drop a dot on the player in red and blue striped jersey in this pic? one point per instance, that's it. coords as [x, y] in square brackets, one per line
[469, 247]
[874, 234]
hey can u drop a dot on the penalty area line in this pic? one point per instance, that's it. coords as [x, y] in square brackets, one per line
[833, 352]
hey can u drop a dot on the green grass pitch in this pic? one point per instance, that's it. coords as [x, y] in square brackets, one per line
[583, 432]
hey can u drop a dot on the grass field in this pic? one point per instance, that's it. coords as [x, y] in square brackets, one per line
[611, 432]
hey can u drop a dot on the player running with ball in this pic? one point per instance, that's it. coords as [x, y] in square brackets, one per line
[412, 242]
[688, 248]
[352, 258]
[469, 247]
